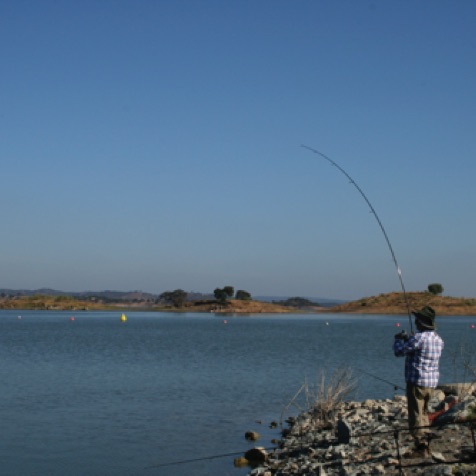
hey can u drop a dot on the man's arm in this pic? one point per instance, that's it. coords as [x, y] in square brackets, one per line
[399, 344]
[404, 344]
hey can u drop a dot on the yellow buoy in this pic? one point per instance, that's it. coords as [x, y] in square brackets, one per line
[123, 318]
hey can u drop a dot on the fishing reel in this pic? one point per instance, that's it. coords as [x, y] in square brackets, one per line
[402, 335]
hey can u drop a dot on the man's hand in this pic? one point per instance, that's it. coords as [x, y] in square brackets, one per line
[401, 335]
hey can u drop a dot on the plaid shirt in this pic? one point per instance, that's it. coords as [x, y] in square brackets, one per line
[422, 353]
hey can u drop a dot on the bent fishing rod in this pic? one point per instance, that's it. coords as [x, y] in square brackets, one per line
[372, 209]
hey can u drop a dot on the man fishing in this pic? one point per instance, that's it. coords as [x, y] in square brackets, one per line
[422, 350]
[422, 353]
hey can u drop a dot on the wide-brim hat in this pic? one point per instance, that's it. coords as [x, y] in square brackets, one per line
[426, 317]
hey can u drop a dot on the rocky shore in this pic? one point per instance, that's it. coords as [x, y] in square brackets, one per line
[372, 438]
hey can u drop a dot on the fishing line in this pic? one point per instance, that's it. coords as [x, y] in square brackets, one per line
[236, 453]
[394, 385]
[372, 209]
[204, 458]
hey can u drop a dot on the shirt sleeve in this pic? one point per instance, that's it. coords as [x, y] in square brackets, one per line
[405, 347]
[398, 347]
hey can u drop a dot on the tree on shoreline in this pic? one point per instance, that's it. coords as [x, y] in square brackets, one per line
[297, 302]
[435, 288]
[177, 298]
[243, 295]
[222, 294]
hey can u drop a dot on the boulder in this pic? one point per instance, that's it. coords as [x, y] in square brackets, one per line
[240, 462]
[256, 455]
[344, 431]
[252, 435]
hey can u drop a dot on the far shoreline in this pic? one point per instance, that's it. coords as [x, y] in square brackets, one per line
[395, 303]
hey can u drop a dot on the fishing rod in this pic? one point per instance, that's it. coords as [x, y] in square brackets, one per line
[372, 209]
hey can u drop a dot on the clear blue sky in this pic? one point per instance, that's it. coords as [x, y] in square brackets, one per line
[156, 145]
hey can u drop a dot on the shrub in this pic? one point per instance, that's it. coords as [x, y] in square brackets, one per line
[324, 397]
[435, 288]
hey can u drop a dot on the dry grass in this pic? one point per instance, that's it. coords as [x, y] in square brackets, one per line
[322, 399]
[329, 393]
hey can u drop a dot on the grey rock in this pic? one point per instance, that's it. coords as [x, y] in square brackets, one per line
[437, 456]
[344, 431]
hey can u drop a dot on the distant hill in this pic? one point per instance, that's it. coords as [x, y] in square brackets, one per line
[394, 303]
[101, 295]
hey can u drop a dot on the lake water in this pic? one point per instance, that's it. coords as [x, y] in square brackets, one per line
[96, 396]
